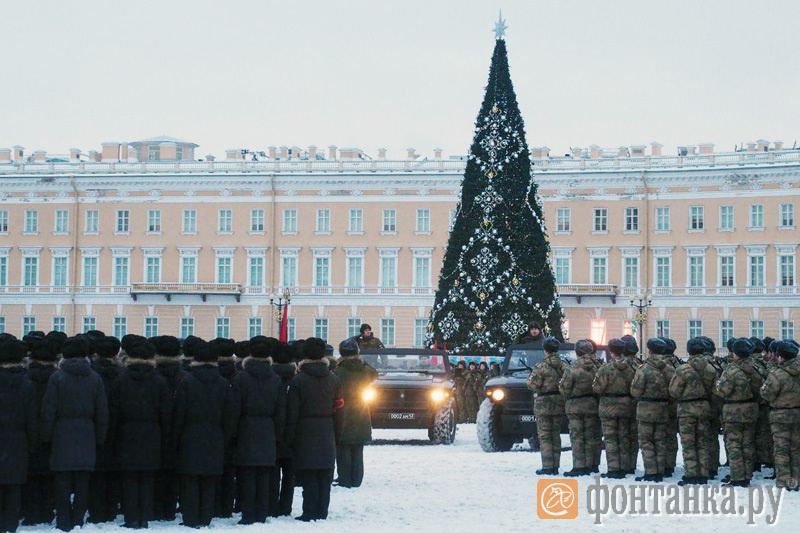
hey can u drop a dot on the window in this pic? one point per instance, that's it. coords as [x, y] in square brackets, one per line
[389, 221]
[187, 326]
[563, 219]
[120, 326]
[28, 324]
[179, 153]
[787, 329]
[322, 271]
[3, 221]
[787, 216]
[600, 219]
[257, 220]
[150, 326]
[727, 274]
[422, 271]
[123, 221]
[290, 220]
[3, 270]
[662, 328]
[632, 219]
[451, 219]
[389, 271]
[60, 324]
[756, 270]
[92, 222]
[321, 328]
[787, 270]
[223, 329]
[152, 272]
[189, 221]
[423, 220]
[290, 328]
[726, 218]
[420, 332]
[254, 326]
[90, 271]
[662, 218]
[697, 271]
[60, 264]
[355, 272]
[62, 221]
[663, 271]
[353, 326]
[225, 221]
[756, 216]
[188, 269]
[89, 323]
[120, 271]
[256, 269]
[224, 269]
[599, 270]
[31, 221]
[757, 328]
[725, 331]
[323, 220]
[153, 153]
[695, 328]
[356, 224]
[30, 274]
[387, 332]
[631, 273]
[289, 271]
[154, 221]
[629, 328]
[696, 218]
[563, 270]
[598, 331]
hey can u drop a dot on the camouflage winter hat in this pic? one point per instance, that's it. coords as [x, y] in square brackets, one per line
[583, 347]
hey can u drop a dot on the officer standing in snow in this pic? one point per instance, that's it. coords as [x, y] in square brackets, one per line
[613, 384]
[548, 405]
[581, 408]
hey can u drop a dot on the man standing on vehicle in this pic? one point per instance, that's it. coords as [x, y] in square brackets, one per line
[367, 339]
[532, 334]
[548, 405]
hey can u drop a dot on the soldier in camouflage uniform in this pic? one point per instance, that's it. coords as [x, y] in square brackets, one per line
[548, 405]
[471, 386]
[613, 384]
[716, 403]
[651, 386]
[672, 360]
[763, 431]
[596, 427]
[581, 408]
[483, 377]
[691, 386]
[740, 413]
[631, 356]
[782, 390]
[459, 380]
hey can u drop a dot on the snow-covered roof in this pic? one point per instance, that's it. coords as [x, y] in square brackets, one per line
[163, 139]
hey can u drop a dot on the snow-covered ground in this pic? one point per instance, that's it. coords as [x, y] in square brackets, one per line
[412, 486]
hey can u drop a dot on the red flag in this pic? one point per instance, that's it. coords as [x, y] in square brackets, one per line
[435, 344]
[283, 334]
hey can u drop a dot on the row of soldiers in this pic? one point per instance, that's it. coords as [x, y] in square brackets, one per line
[468, 384]
[144, 425]
[753, 394]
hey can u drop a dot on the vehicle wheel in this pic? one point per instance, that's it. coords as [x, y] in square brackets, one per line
[488, 425]
[534, 443]
[444, 425]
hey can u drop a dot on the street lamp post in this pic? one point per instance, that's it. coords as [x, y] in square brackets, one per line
[640, 302]
[279, 301]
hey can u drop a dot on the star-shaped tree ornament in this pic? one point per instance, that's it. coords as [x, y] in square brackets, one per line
[500, 27]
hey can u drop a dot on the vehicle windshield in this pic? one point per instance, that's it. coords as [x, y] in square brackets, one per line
[407, 363]
[518, 359]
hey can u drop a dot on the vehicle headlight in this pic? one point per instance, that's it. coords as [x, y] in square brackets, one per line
[369, 394]
[438, 395]
[498, 395]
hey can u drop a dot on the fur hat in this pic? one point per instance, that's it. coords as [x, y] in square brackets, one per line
[259, 350]
[583, 347]
[743, 347]
[710, 346]
[297, 347]
[191, 344]
[616, 346]
[224, 347]
[631, 347]
[671, 346]
[786, 350]
[729, 344]
[314, 349]
[283, 354]
[44, 353]
[202, 353]
[767, 343]
[107, 347]
[129, 340]
[13, 351]
[348, 347]
[695, 346]
[144, 351]
[166, 346]
[75, 347]
[758, 346]
[242, 349]
[54, 341]
[657, 346]
[364, 327]
[551, 344]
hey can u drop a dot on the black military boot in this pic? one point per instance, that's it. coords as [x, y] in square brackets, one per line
[547, 472]
[656, 478]
[578, 472]
[614, 474]
[712, 474]
[741, 483]
[668, 472]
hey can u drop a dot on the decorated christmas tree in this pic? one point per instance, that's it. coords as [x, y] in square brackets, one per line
[496, 276]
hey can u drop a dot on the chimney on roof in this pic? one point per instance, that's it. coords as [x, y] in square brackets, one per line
[133, 154]
[623, 151]
[210, 158]
[706, 148]
[5, 155]
[312, 153]
[381, 153]
[594, 151]
[637, 150]
[295, 152]
[272, 152]
[751, 147]
[123, 152]
[778, 145]
[576, 152]
[762, 145]
[95, 156]
[232, 154]
[332, 152]
[110, 152]
[412, 154]
[74, 155]
[437, 153]
[19, 154]
[284, 153]
[39, 156]
[655, 148]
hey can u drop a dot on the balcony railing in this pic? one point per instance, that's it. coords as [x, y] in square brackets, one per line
[579, 290]
[171, 289]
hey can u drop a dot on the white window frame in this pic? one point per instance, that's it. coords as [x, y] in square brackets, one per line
[755, 217]
[28, 324]
[120, 252]
[787, 329]
[423, 222]
[389, 332]
[59, 323]
[289, 221]
[757, 328]
[31, 222]
[724, 218]
[389, 220]
[387, 254]
[120, 326]
[150, 252]
[697, 213]
[697, 255]
[354, 254]
[662, 252]
[726, 252]
[322, 257]
[225, 222]
[786, 214]
[563, 252]
[354, 326]
[3, 221]
[598, 253]
[92, 252]
[255, 326]
[224, 252]
[154, 226]
[321, 328]
[631, 221]
[662, 328]
[150, 326]
[61, 222]
[89, 323]
[663, 215]
[600, 220]
[122, 222]
[723, 330]
[188, 260]
[756, 251]
[420, 332]
[57, 257]
[786, 251]
[253, 255]
[292, 253]
[91, 222]
[187, 326]
[563, 221]
[323, 221]
[694, 328]
[257, 221]
[189, 222]
[222, 327]
[355, 222]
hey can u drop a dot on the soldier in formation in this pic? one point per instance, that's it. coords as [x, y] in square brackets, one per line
[581, 408]
[549, 405]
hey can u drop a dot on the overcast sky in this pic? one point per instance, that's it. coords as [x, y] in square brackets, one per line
[249, 74]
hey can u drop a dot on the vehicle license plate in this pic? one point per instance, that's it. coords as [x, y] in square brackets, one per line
[526, 418]
[401, 416]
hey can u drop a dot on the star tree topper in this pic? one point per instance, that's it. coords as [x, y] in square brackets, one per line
[500, 27]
